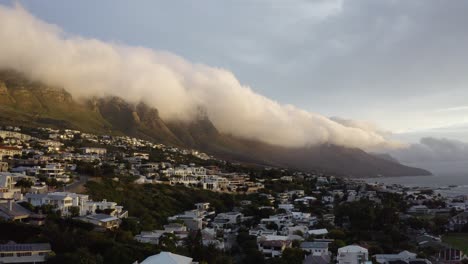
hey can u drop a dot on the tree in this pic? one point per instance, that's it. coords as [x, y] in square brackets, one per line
[336, 234]
[293, 256]
[335, 245]
[168, 242]
[24, 183]
[74, 211]
[272, 226]
[130, 224]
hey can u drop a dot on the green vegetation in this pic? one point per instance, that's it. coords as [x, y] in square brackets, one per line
[379, 225]
[148, 205]
[76, 242]
[152, 204]
[457, 240]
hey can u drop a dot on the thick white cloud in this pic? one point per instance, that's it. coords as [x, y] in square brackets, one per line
[89, 67]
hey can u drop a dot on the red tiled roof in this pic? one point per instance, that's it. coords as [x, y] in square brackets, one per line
[9, 148]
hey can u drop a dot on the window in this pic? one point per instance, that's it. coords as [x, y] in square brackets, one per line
[23, 254]
[5, 255]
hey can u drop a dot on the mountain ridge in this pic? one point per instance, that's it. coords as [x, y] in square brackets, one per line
[25, 101]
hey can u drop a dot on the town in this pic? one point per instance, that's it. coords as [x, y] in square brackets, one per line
[72, 197]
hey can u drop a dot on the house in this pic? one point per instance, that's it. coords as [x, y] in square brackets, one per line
[449, 254]
[175, 227]
[280, 220]
[391, 258]
[317, 259]
[293, 230]
[167, 258]
[418, 209]
[229, 218]
[54, 171]
[3, 166]
[458, 221]
[318, 232]
[101, 220]
[62, 201]
[210, 238]
[11, 134]
[287, 207]
[90, 150]
[445, 253]
[273, 248]
[329, 218]
[110, 208]
[328, 199]
[261, 231]
[9, 151]
[307, 200]
[7, 188]
[193, 219]
[352, 255]
[24, 253]
[315, 248]
[150, 237]
[458, 206]
[11, 211]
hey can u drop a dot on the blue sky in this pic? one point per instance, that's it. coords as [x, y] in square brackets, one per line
[400, 64]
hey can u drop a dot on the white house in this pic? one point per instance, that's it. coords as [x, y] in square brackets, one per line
[8, 189]
[193, 219]
[62, 201]
[315, 248]
[24, 253]
[104, 205]
[318, 232]
[288, 207]
[166, 258]
[101, 220]
[418, 209]
[91, 150]
[229, 218]
[328, 199]
[352, 255]
[387, 258]
[54, 171]
[150, 237]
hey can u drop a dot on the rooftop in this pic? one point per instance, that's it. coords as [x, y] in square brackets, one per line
[322, 245]
[13, 247]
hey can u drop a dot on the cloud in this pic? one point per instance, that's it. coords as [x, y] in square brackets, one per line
[431, 149]
[177, 87]
[453, 109]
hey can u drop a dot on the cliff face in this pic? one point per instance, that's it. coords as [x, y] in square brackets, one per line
[24, 102]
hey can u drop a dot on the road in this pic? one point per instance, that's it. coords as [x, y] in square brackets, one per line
[78, 185]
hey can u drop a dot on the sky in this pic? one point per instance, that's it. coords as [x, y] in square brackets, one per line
[356, 73]
[399, 64]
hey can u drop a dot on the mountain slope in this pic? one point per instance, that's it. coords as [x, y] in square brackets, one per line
[26, 102]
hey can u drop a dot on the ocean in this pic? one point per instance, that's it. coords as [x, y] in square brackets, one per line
[449, 178]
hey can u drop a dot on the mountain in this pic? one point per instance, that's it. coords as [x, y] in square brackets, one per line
[385, 156]
[23, 101]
